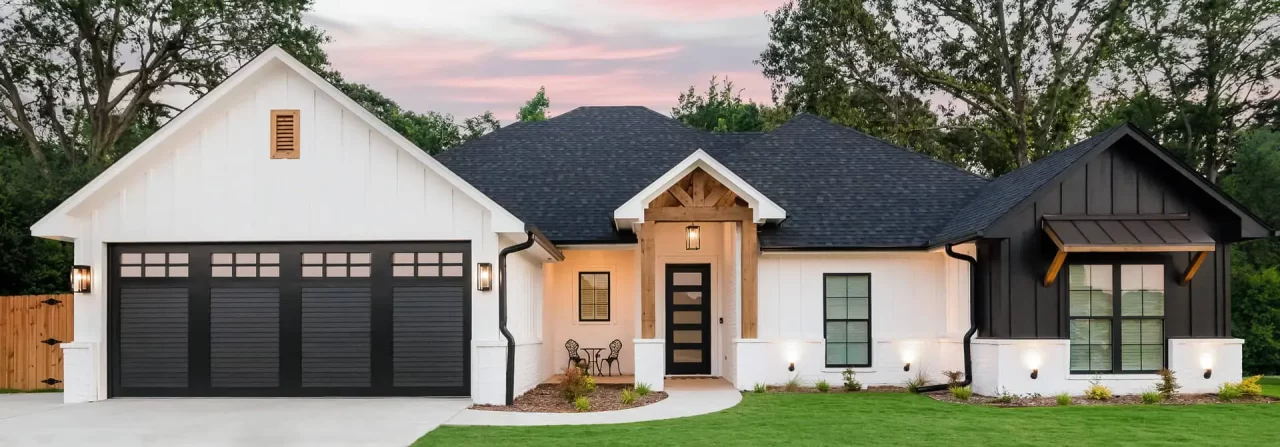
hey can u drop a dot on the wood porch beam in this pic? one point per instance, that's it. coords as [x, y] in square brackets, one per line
[648, 278]
[1195, 267]
[750, 287]
[1054, 268]
[680, 195]
[683, 214]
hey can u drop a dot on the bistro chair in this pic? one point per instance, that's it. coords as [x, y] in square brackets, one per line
[572, 347]
[615, 348]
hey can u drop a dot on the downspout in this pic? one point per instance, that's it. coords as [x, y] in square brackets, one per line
[502, 313]
[973, 321]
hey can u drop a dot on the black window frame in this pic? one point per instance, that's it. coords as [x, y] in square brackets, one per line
[1117, 316]
[870, 337]
[608, 298]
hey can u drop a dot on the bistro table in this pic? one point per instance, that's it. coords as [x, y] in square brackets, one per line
[593, 356]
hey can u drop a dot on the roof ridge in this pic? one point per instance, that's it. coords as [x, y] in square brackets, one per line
[845, 128]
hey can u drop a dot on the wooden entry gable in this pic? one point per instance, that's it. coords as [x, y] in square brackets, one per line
[698, 197]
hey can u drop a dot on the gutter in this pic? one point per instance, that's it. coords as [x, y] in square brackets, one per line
[502, 312]
[973, 321]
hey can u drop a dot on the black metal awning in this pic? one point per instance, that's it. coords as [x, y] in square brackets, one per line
[1126, 233]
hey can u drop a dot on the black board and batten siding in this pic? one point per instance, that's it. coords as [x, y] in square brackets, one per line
[1121, 180]
[179, 330]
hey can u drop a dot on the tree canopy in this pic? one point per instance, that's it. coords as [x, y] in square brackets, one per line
[536, 108]
[720, 109]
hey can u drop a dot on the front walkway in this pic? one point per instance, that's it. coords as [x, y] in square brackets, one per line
[685, 397]
[43, 420]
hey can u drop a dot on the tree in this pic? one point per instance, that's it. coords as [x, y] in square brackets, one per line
[720, 109]
[1254, 181]
[536, 108]
[476, 126]
[1203, 70]
[1022, 70]
[76, 75]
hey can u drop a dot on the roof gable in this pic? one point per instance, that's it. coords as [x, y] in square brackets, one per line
[59, 224]
[762, 208]
[1025, 185]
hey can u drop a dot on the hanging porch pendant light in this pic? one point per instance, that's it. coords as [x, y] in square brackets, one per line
[692, 237]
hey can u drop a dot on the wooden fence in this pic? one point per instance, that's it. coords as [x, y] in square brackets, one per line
[31, 327]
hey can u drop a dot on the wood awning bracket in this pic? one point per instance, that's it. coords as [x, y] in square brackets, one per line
[1195, 266]
[1055, 267]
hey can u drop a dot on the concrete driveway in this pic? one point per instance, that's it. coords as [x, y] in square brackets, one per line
[42, 419]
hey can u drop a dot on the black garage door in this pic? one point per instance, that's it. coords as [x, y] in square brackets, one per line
[313, 319]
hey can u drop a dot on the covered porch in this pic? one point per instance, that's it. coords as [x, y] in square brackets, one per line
[681, 299]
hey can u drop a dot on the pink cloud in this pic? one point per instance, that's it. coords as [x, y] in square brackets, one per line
[689, 10]
[592, 52]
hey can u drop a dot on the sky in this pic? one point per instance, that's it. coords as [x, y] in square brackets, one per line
[464, 57]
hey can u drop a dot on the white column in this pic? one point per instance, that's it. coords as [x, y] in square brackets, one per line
[650, 362]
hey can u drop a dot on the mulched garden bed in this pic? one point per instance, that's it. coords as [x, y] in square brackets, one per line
[546, 398]
[1052, 401]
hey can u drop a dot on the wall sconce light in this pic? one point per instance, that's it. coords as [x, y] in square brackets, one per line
[1035, 374]
[1206, 362]
[484, 276]
[1033, 360]
[692, 237]
[80, 279]
[906, 367]
[791, 367]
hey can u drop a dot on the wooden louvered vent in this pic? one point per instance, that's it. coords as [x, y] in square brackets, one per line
[284, 134]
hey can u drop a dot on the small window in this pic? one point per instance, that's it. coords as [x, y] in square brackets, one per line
[426, 265]
[245, 265]
[285, 134]
[847, 313]
[593, 296]
[153, 265]
[336, 265]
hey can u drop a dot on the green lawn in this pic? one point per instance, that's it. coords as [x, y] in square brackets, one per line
[895, 419]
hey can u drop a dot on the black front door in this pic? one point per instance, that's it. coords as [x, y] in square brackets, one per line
[689, 319]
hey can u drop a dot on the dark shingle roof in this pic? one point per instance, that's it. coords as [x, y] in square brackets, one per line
[1007, 191]
[841, 188]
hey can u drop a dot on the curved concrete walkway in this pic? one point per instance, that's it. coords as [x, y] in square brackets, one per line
[685, 397]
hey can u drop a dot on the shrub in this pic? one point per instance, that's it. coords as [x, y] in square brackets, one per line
[1228, 392]
[573, 385]
[589, 383]
[1168, 385]
[643, 389]
[850, 383]
[1005, 397]
[1098, 391]
[760, 388]
[961, 392]
[1151, 397]
[823, 386]
[629, 396]
[582, 368]
[953, 377]
[582, 403]
[1064, 399]
[919, 381]
[1250, 387]
[792, 385]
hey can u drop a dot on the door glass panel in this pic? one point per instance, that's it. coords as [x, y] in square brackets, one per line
[686, 298]
[686, 355]
[686, 279]
[686, 336]
[686, 317]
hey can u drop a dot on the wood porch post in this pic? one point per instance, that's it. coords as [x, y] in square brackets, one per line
[750, 263]
[648, 278]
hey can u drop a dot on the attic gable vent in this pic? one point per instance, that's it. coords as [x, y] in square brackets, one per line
[284, 134]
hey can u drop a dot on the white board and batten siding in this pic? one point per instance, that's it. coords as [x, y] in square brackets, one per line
[912, 315]
[213, 180]
[217, 181]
